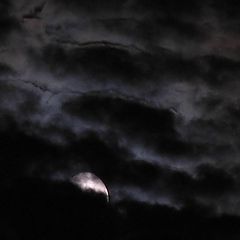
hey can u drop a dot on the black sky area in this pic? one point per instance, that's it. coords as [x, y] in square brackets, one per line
[142, 93]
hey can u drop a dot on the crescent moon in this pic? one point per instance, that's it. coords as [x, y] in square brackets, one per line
[90, 182]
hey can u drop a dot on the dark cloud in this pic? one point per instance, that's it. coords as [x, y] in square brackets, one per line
[111, 63]
[144, 94]
[208, 182]
[226, 9]
[153, 127]
[7, 22]
[93, 6]
[53, 210]
[5, 69]
[71, 213]
[109, 160]
[117, 64]
[106, 62]
[219, 69]
[168, 7]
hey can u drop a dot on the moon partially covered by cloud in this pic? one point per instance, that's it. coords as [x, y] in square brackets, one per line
[90, 182]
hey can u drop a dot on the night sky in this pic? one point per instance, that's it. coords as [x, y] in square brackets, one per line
[142, 93]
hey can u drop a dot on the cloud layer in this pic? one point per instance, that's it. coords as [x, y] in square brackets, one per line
[142, 93]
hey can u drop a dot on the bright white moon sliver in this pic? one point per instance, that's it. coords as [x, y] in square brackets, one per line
[89, 182]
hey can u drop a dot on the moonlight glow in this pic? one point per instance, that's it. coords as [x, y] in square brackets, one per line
[89, 182]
